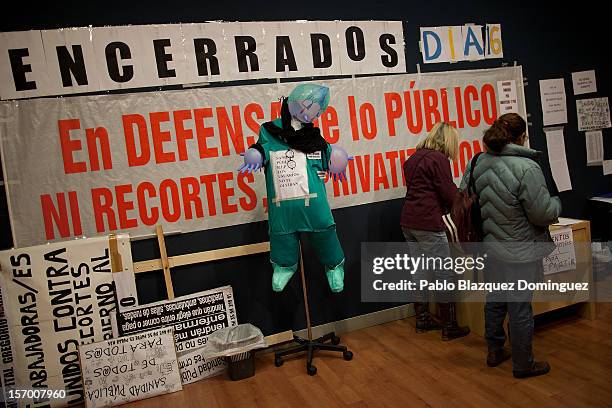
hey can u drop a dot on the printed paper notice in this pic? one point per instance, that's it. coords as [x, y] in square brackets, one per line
[593, 114]
[554, 106]
[584, 82]
[594, 148]
[557, 159]
[563, 258]
[506, 94]
[290, 174]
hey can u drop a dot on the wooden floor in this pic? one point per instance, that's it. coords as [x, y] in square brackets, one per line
[395, 367]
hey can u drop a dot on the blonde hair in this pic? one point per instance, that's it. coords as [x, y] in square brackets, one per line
[444, 138]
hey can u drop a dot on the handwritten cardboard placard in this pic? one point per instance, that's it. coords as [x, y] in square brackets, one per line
[130, 368]
[563, 258]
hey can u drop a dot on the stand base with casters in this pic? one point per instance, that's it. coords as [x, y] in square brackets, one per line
[328, 342]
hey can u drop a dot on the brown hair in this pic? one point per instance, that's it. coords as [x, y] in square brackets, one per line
[508, 128]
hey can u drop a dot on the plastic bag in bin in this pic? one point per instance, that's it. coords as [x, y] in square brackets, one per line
[234, 340]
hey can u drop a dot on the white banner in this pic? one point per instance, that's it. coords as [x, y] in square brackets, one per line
[90, 165]
[56, 297]
[65, 61]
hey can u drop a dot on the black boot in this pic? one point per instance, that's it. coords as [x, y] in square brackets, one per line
[424, 321]
[538, 368]
[450, 328]
[495, 358]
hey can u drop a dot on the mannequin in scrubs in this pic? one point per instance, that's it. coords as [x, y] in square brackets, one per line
[296, 159]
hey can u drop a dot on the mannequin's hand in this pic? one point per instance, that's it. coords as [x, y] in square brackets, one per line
[253, 161]
[337, 163]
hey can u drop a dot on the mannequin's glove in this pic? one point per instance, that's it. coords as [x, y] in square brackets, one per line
[253, 161]
[338, 161]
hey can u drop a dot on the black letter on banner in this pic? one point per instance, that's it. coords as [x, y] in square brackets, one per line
[390, 60]
[205, 49]
[112, 62]
[324, 59]
[355, 44]
[283, 47]
[162, 58]
[19, 69]
[69, 65]
[245, 48]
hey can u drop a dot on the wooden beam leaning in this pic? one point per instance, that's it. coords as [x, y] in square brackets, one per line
[200, 257]
[165, 264]
[115, 256]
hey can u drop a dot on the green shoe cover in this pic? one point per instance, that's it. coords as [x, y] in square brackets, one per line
[281, 276]
[335, 277]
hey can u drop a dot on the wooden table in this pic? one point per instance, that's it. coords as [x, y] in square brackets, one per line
[472, 313]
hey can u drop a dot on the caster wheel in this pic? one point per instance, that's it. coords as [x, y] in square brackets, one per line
[335, 340]
[348, 355]
[278, 361]
[311, 370]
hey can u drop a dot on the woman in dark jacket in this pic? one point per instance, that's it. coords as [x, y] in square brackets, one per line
[430, 193]
[516, 209]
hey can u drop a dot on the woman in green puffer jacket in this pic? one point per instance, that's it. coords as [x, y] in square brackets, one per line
[516, 209]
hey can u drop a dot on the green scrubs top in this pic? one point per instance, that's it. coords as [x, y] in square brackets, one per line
[311, 212]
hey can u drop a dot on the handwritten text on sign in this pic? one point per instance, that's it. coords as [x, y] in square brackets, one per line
[563, 258]
[593, 114]
[130, 368]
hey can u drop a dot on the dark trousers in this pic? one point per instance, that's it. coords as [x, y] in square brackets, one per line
[517, 306]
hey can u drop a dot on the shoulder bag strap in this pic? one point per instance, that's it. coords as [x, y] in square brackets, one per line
[471, 182]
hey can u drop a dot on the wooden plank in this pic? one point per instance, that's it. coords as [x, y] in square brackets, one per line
[115, 256]
[278, 338]
[200, 257]
[164, 261]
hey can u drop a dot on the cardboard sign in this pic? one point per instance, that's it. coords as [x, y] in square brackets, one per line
[193, 318]
[56, 298]
[563, 258]
[7, 374]
[130, 368]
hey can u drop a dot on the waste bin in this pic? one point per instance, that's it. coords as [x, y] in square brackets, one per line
[236, 345]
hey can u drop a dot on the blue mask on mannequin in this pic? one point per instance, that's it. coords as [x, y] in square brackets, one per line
[308, 101]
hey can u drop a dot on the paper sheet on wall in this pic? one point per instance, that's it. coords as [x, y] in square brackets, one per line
[563, 258]
[584, 82]
[290, 177]
[508, 100]
[593, 114]
[554, 106]
[594, 148]
[556, 156]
